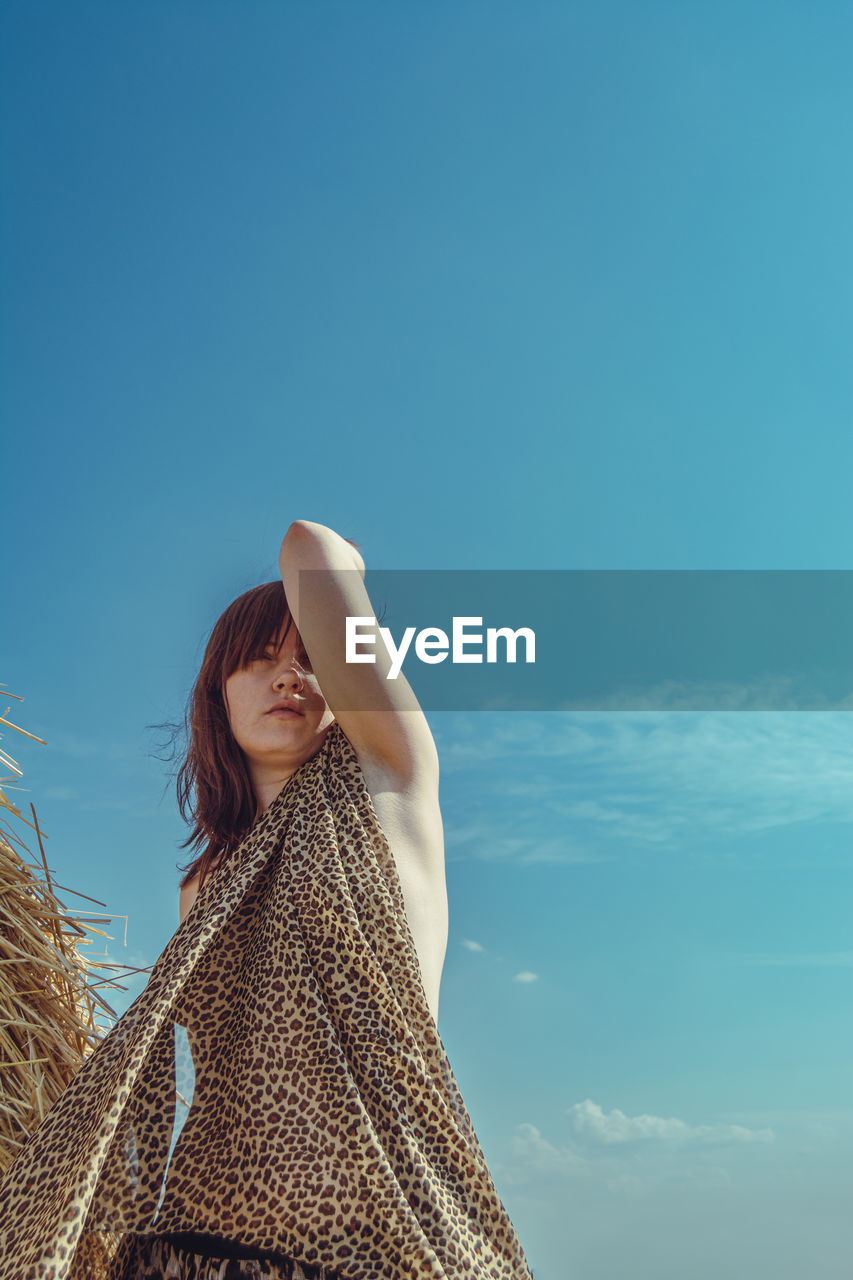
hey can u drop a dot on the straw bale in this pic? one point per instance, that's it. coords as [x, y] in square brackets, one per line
[52, 1010]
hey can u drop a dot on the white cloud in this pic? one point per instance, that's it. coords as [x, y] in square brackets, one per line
[821, 960]
[471, 945]
[526, 976]
[480, 840]
[69, 743]
[636, 1156]
[650, 779]
[593, 1125]
[536, 1154]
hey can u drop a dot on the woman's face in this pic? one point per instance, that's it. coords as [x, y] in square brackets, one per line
[277, 714]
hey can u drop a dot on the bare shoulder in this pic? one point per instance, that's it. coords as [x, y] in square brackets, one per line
[189, 893]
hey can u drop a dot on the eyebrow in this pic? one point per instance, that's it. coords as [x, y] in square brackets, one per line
[272, 644]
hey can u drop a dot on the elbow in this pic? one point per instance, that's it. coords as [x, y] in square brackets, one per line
[301, 531]
[308, 544]
[296, 536]
[299, 528]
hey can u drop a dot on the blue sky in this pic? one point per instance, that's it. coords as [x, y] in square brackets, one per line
[481, 286]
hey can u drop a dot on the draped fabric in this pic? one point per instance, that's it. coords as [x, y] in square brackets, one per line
[187, 1257]
[326, 1126]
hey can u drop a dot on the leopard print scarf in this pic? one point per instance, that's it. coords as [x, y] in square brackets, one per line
[327, 1124]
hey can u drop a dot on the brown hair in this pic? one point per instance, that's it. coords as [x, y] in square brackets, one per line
[215, 793]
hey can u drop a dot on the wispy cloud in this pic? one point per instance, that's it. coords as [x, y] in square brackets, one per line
[534, 1153]
[470, 945]
[595, 1126]
[481, 840]
[632, 1155]
[106, 806]
[63, 742]
[569, 782]
[526, 976]
[821, 960]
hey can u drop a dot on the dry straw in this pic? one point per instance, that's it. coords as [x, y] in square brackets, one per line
[52, 1007]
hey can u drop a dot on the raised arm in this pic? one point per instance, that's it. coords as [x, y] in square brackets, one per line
[381, 717]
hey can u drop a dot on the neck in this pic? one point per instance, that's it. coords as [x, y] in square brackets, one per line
[267, 784]
[268, 777]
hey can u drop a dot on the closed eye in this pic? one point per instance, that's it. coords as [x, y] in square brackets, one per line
[302, 658]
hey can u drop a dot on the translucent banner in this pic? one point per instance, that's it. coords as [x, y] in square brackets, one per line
[605, 640]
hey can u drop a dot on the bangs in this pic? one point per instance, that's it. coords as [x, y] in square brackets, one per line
[252, 625]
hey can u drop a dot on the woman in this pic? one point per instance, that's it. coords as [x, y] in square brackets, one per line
[327, 1139]
[380, 718]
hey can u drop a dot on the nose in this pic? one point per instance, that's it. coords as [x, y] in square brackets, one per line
[288, 678]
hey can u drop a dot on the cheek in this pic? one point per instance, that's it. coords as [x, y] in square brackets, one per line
[236, 701]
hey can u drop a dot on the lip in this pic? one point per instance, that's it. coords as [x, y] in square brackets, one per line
[285, 711]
